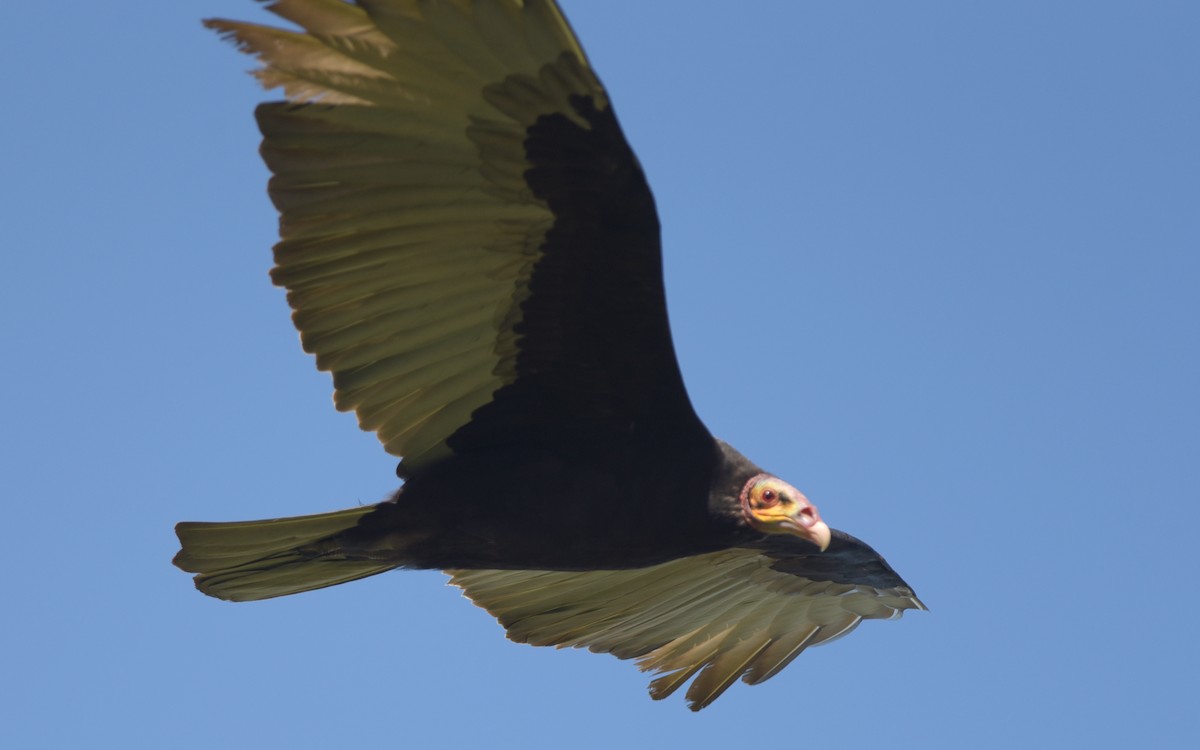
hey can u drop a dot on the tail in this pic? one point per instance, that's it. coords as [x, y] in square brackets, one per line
[252, 560]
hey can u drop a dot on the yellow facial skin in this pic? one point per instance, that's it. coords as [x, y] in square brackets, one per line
[773, 506]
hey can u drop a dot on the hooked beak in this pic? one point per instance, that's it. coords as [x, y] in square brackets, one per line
[803, 521]
[810, 527]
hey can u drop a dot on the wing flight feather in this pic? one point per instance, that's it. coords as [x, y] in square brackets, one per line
[716, 617]
[412, 233]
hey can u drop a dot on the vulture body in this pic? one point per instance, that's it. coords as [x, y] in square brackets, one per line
[471, 249]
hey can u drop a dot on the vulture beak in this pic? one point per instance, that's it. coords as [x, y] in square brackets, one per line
[809, 526]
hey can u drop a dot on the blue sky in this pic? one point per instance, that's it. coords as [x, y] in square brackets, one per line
[935, 263]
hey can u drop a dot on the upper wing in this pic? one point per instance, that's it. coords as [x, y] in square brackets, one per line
[463, 225]
[743, 612]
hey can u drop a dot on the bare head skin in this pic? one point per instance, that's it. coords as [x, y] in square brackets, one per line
[773, 506]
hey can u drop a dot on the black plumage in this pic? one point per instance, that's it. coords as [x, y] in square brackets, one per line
[471, 248]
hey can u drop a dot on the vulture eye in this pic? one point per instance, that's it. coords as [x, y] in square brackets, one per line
[769, 499]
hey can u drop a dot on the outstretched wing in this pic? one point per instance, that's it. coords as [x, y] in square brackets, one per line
[468, 243]
[742, 612]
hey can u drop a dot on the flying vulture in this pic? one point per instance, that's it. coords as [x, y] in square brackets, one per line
[470, 247]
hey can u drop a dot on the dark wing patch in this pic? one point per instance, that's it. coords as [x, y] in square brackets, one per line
[716, 617]
[847, 560]
[461, 217]
[595, 360]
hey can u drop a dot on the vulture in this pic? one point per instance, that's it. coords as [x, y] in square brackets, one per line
[470, 248]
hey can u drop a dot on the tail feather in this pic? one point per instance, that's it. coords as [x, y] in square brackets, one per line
[249, 560]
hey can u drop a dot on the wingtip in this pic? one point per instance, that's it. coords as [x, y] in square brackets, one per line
[223, 26]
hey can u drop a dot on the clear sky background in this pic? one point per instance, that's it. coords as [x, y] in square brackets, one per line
[936, 263]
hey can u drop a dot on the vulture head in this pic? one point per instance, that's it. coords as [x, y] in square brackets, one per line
[772, 506]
